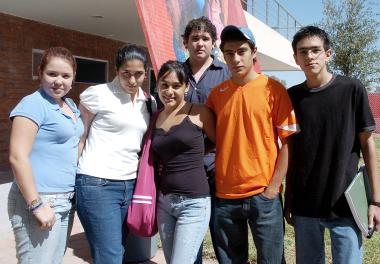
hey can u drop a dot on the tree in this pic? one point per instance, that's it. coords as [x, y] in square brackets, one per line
[354, 30]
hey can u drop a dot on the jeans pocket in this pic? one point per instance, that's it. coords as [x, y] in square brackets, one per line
[58, 204]
[264, 198]
[196, 208]
[90, 181]
[196, 203]
[267, 206]
[47, 199]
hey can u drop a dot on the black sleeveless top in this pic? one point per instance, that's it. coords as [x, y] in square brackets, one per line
[180, 151]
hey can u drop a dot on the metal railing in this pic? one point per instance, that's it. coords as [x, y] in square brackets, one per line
[274, 15]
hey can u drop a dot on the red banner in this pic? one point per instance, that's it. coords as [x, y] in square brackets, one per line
[164, 21]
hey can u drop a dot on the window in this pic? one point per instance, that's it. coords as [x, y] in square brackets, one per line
[88, 70]
[36, 59]
[91, 70]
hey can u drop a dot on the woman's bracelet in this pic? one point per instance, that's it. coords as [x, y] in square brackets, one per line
[36, 207]
[36, 203]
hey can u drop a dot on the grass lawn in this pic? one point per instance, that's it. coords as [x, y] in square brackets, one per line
[371, 246]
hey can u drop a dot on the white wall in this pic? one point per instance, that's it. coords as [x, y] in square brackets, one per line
[274, 51]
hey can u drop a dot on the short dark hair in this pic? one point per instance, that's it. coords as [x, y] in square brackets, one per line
[178, 68]
[131, 52]
[201, 23]
[311, 31]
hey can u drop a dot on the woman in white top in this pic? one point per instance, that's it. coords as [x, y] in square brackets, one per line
[115, 117]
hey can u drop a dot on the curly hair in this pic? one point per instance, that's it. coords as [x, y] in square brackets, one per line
[201, 23]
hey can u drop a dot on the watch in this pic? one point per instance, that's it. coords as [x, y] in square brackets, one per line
[35, 203]
[375, 203]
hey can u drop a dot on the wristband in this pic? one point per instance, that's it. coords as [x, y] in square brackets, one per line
[35, 203]
[375, 203]
[36, 207]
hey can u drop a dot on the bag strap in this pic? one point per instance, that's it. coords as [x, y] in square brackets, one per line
[145, 151]
[152, 124]
[149, 105]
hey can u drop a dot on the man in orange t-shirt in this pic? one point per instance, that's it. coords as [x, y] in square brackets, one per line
[253, 113]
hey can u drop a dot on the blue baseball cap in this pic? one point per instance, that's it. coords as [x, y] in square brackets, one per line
[232, 32]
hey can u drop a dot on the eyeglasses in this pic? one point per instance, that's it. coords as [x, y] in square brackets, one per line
[315, 52]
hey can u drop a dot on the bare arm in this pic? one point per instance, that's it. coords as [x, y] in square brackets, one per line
[23, 133]
[87, 118]
[368, 148]
[280, 171]
[207, 120]
[203, 117]
[289, 184]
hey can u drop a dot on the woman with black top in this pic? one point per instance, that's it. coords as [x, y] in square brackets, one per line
[183, 209]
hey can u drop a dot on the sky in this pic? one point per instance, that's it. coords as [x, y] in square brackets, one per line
[306, 12]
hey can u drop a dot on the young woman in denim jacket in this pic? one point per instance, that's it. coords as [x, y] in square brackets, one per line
[45, 133]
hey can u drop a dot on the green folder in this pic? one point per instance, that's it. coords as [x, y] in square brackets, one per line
[358, 196]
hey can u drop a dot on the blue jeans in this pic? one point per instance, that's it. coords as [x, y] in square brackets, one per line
[211, 182]
[265, 219]
[34, 245]
[182, 223]
[346, 240]
[199, 259]
[102, 206]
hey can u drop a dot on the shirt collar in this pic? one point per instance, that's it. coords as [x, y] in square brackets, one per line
[50, 100]
[318, 89]
[141, 96]
[53, 103]
[216, 63]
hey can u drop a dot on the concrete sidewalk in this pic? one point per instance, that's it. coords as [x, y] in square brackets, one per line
[78, 249]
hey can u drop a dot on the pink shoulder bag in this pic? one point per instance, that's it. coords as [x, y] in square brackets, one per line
[141, 219]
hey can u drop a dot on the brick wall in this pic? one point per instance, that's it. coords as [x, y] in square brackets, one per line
[18, 37]
[374, 103]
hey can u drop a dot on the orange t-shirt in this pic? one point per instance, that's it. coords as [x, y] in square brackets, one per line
[249, 121]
